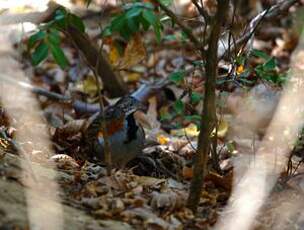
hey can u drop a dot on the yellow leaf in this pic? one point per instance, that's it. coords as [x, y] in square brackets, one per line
[114, 56]
[191, 131]
[162, 139]
[222, 128]
[89, 86]
[132, 77]
[240, 69]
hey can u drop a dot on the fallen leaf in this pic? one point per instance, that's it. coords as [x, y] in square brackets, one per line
[71, 128]
[162, 139]
[187, 172]
[167, 201]
[135, 52]
[190, 131]
[222, 128]
[114, 56]
[89, 86]
[132, 77]
[64, 161]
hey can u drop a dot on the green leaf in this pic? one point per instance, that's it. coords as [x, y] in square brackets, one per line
[36, 37]
[196, 119]
[146, 25]
[240, 60]
[106, 32]
[40, 53]
[60, 14]
[157, 33]
[125, 32]
[133, 12]
[58, 55]
[196, 97]
[260, 54]
[179, 107]
[170, 37]
[76, 22]
[118, 23]
[166, 2]
[54, 37]
[142, 5]
[133, 25]
[193, 117]
[150, 17]
[166, 116]
[184, 36]
[270, 64]
[198, 63]
[177, 77]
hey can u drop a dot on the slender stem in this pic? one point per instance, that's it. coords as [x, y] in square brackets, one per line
[107, 146]
[208, 121]
[202, 11]
[185, 29]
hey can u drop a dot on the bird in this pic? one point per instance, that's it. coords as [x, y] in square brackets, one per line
[126, 136]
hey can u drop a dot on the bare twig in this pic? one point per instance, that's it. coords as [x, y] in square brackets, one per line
[107, 147]
[202, 11]
[185, 29]
[267, 14]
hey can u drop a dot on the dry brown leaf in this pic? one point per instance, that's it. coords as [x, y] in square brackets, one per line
[64, 161]
[187, 172]
[151, 221]
[210, 6]
[166, 201]
[72, 128]
[135, 52]
[149, 181]
[117, 206]
[221, 181]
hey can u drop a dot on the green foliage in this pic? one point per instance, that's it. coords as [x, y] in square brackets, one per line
[260, 54]
[166, 2]
[179, 107]
[134, 18]
[196, 97]
[196, 119]
[40, 53]
[267, 70]
[47, 39]
[177, 77]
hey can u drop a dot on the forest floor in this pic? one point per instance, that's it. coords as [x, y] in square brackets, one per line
[151, 193]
